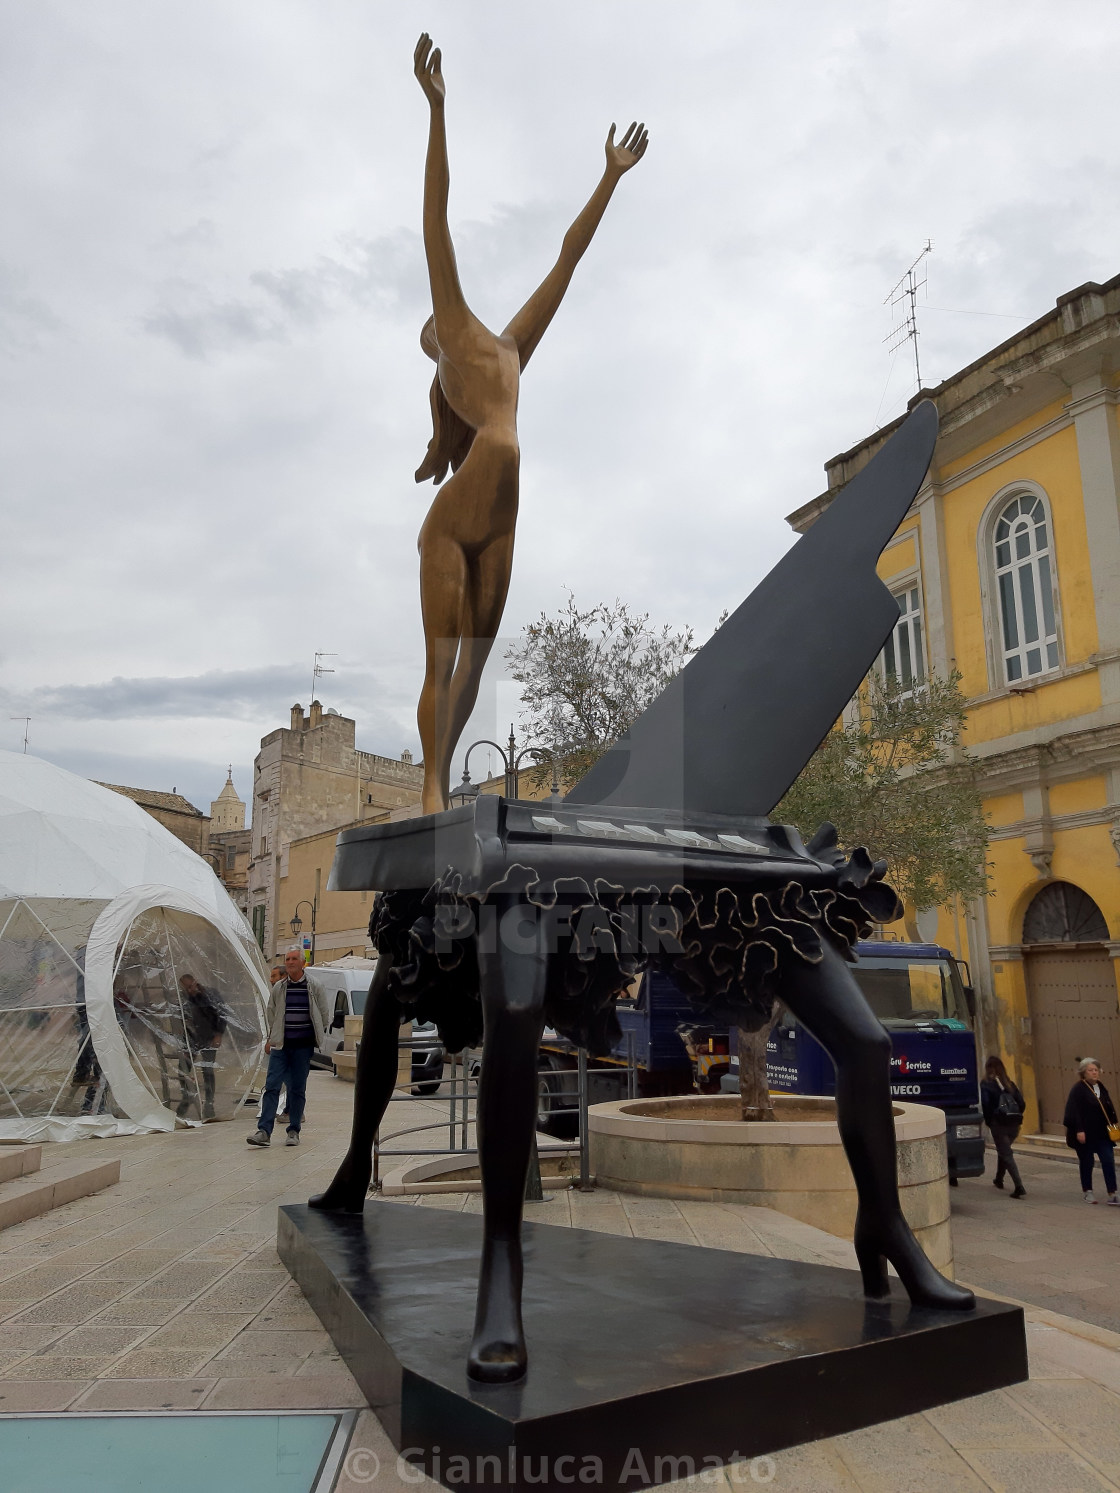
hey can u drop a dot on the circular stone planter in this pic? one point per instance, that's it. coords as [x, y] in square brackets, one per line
[559, 1170]
[694, 1147]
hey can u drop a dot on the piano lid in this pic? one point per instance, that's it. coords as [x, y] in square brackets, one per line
[732, 731]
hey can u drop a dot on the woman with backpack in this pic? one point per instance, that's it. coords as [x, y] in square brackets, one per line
[1091, 1128]
[1003, 1111]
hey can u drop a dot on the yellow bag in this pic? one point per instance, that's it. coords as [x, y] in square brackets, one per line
[1113, 1130]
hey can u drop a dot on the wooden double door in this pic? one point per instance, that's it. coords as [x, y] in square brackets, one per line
[1074, 1014]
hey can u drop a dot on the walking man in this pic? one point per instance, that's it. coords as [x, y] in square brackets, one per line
[298, 1016]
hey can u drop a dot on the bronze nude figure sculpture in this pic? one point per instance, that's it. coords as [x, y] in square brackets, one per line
[466, 542]
[501, 915]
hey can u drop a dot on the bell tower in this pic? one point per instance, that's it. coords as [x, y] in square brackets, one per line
[227, 811]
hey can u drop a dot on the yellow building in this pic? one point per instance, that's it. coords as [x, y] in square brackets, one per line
[1007, 568]
[341, 918]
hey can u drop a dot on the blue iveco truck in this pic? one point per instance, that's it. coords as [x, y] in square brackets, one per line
[916, 990]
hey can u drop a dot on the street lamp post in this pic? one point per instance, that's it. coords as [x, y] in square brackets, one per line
[297, 923]
[511, 763]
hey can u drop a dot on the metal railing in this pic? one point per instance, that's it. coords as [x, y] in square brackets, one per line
[458, 1089]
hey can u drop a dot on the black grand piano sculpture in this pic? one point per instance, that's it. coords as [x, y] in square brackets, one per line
[501, 915]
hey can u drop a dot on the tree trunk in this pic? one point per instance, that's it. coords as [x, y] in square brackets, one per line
[754, 1092]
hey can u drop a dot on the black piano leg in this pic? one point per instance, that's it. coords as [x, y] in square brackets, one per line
[374, 1080]
[826, 998]
[513, 986]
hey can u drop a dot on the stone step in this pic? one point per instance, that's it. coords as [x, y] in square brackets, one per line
[29, 1198]
[19, 1161]
[1053, 1146]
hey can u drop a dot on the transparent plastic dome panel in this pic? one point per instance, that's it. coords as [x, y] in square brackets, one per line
[189, 1012]
[47, 1062]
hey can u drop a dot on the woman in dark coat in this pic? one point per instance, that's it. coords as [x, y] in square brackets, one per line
[1089, 1113]
[1003, 1112]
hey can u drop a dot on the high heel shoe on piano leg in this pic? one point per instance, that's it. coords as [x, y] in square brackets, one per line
[893, 1242]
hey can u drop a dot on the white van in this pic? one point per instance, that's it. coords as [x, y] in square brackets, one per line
[347, 987]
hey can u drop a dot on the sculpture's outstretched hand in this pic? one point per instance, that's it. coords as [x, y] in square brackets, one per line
[630, 149]
[426, 66]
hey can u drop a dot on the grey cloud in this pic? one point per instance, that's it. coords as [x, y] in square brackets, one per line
[23, 318]
[241, 694]
[386, 273]
[503, 258]
[200, 235]
[261, 696]
[198, 780]
[216, 328]
[1060, 233]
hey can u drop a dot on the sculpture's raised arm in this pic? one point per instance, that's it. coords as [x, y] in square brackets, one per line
[448, 303]
[529, 325]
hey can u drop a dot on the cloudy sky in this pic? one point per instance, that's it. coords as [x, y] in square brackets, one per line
[212, 284]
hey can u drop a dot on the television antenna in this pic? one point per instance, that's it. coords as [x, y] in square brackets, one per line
[318, 671]
[26, 719]
[903, 302]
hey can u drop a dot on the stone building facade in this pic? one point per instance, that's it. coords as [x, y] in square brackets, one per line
[309, 777]
[174, 812]
[1007, 569]
[231, 844]
[229, 854]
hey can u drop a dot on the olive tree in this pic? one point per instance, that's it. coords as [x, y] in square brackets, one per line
[586, 674]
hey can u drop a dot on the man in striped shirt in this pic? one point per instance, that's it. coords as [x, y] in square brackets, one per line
[298, 1016]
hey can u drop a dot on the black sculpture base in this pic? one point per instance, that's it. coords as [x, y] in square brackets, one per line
[641, 1353]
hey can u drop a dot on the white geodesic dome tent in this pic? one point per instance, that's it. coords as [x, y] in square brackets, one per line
[132, 990]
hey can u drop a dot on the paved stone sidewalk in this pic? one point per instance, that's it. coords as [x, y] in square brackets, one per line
[166, 1292]
[1050, 1248]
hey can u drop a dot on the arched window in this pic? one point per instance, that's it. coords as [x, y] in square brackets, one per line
[1063, 913]
[1025, 589]
[903, 657]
